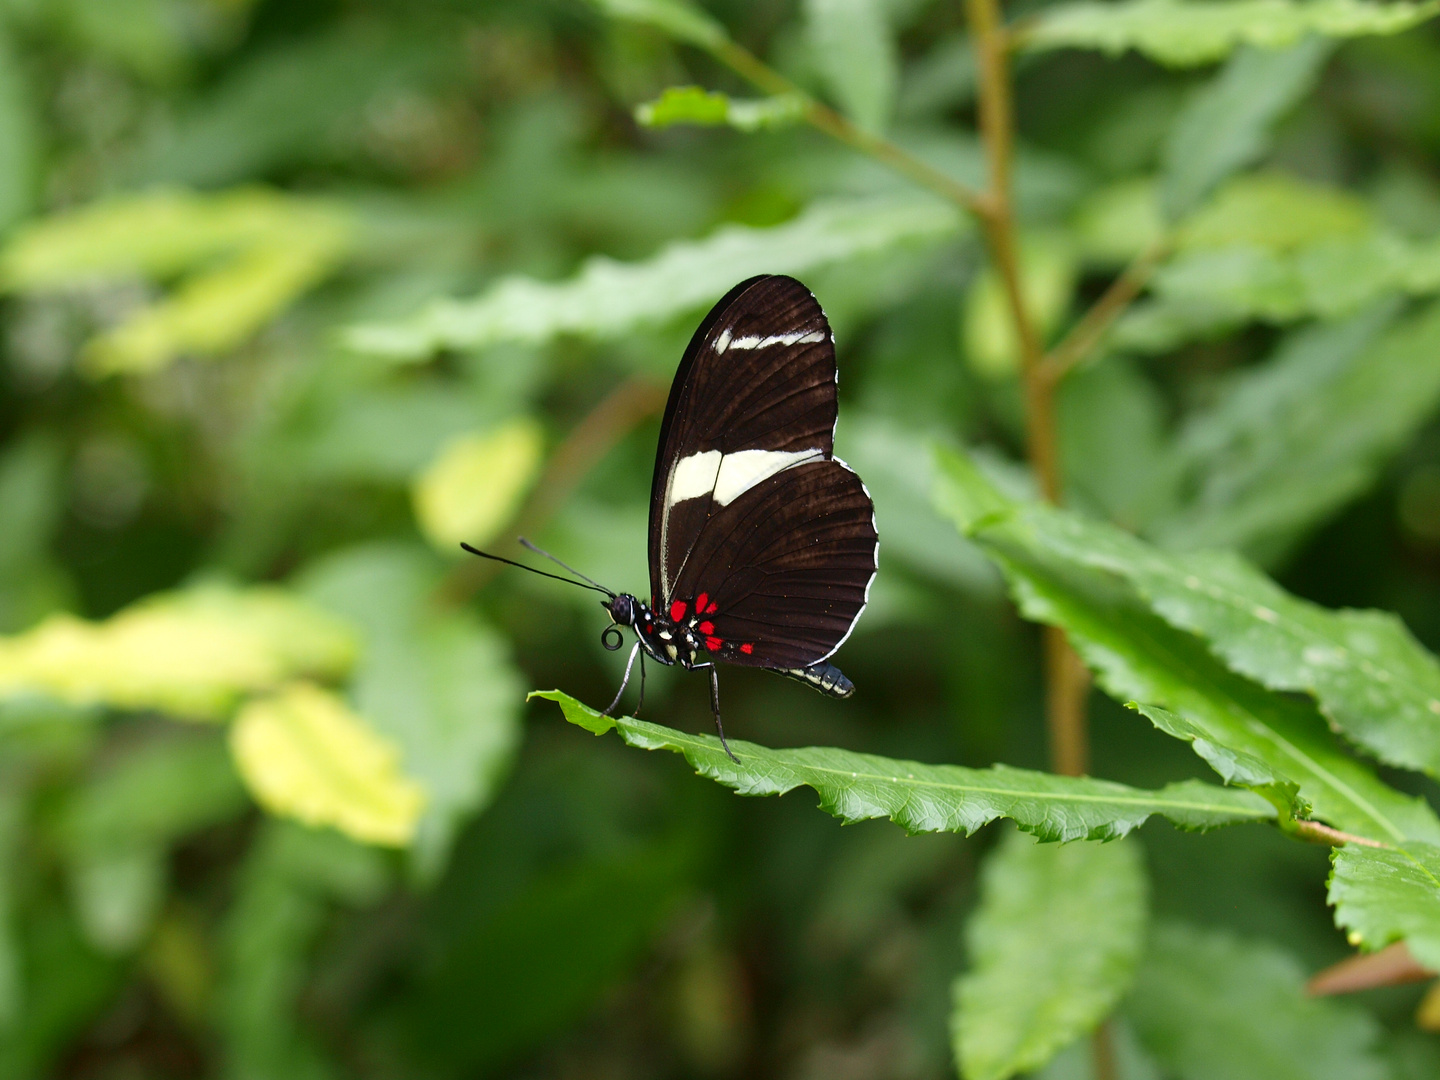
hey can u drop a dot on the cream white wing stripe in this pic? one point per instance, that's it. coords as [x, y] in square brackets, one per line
[800, 337]
[725, 477]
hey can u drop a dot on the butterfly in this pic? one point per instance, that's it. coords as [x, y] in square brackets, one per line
[763, 544]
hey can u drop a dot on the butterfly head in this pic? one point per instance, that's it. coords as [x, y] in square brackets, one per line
[625, 610]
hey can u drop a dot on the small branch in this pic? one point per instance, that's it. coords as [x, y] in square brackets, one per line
[1087, 333]
[1102, 1052]
[588, 442]
[822, 117]
[1316, 833]
[1391, 966]
[1067, 685]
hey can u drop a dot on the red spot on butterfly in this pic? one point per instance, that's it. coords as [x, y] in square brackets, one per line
[707, 627]
[747, 648]
[711, 609]
[713, 643]
[700, 602]
[677, 611]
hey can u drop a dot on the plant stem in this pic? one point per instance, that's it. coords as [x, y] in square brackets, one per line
[1317, 833]
[820, 116]
[1086, 334]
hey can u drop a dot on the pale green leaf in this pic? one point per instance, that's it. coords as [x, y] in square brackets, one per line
[117, 895]
[1211, 1006]
[1116, 223]
[934, 798]
[696, 105]
[1276, 212]
[19, 139]
[303, 753]
[1184, 33]
[854, 49]
[680, 19]
[1227, 125]
[1076, 574]
[438, 684]
[1053, 946]
[190, 653]
[1382, 895]
[473, 488]
[609, 298]
[1047, 282]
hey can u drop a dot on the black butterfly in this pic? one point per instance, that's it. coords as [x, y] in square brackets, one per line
[762, 543]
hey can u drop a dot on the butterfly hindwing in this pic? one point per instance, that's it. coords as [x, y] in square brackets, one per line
[749, 510]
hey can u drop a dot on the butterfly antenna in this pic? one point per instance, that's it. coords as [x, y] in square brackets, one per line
[542, 573]
[557, 562]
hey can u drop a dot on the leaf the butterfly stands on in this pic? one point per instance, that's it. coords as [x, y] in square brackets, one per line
[763, 544]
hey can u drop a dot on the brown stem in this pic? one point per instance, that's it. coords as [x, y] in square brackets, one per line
[588, 442]
[1102, 1052]
[1086, 334]
[1391, 966]
[1317, 833]
[820, 116]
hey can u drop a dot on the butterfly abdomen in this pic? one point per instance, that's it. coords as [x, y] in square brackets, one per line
[824, 676]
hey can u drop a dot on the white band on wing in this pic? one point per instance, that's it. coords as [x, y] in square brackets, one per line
[800, 337]
[728, 476]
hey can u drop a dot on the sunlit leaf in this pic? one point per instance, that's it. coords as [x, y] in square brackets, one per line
[609, 298]
[1053, 946]
[1183, 33]
[19, 139]
[854, 48]
[475, 486]
[1047, 281]
[678, 18]
[696, 105]
[933, 798]
[1077, 574]
[438, 684]
[305, 754]
[1276, 212]
[190, 653]
[254, 252]
[1382, 895]
[1211, 1006]
[1227, 125]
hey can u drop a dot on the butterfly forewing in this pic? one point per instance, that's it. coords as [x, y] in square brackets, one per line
[749, 511]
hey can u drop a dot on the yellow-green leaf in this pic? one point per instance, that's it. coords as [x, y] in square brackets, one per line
[696, 105]
[1047, 280]
[475, 485]
[191, 654]
[305, 754]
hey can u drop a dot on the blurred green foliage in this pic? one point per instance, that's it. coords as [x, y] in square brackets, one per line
[296, 295]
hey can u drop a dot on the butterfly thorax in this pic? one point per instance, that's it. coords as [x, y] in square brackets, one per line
[684, 641]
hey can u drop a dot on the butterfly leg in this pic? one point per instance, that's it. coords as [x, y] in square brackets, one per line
[715, 707]
[641, 702]
[625, 681]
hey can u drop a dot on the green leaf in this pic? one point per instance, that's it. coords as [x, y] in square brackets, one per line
[439, 684]
[19, 139]
[933, 798]
[854, 49]
[681, 20]
[1227, 125]
[1276, 212]
[1184, 33]
[1234, 766]
[1210, 1006]
[1081, 576]
[190, 654]
[1047, 281]
[12, 988]
[609, 298]
[116, 830]
[32, 500]
[304, 754]
[1053, 947]
[696, 105]
[474, 487]
[1383, 895]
